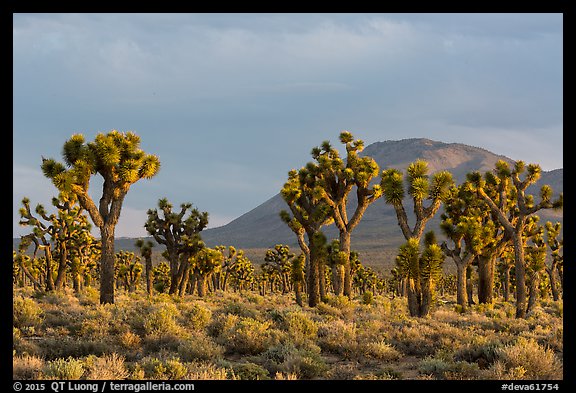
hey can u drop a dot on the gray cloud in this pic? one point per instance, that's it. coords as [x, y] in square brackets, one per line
[236, 101]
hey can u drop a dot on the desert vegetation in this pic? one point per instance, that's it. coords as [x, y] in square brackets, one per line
[83, 310]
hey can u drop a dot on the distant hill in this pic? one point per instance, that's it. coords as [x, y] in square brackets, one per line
[378, 234]
[261, 227]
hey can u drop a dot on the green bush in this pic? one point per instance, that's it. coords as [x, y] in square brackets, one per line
[526, 359]
[199, 347]
[161, 320]
[247, 336]
[250, 371]
[197, 317]
[367, 298]
[26, 312]
[338, 337]
[69, 368]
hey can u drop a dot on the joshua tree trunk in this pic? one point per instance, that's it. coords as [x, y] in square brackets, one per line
[298, 292]
[426, 298]
[322, 279]
[59, 283]
[520, 276]
[533, 291]
[345, 247]
[149, 278]
[414, 297]
[461, 294]
[469, 285]
[202, 285]
[553, 284]
[486, 266]
[174, 271]
[107, 265]
[338, 279]
[506, 283]
[313, 281]
[184, 277]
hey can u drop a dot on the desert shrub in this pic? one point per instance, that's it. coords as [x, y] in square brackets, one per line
[414, 339]
[326, 309]
[286, 358]
[26, 312]
[156, 368]
[27, 367]
[107, 367]
[222, 323]
[161, 320]
[299, 326]
[129, 340]
[434, 366]
[196, 317]
[248, 336]
[480, 351]
[345, 371]
[199, 347]
[208, 371]
[95, 324]
[526, 359]
[380, 350]
[62, 347]
[89, 296]
[250, 371]
[306, 364]
[367, 298]
[239, 309]
[69, 368]
[338, 337]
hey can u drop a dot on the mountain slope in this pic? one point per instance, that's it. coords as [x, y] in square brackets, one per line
[261, 227]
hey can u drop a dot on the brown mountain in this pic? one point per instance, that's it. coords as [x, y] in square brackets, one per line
[262, 228]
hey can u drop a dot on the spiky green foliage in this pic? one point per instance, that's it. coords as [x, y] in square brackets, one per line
[117, 157]
[422, 271]
[128, 270]
[420, 187]
[145, 248]
[309, 213]
[179, 231]
[278, 260]
[62, 235]
[205, 263]
[336, 180]
[505, 194]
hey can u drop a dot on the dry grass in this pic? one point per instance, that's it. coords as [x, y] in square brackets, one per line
[248, 336]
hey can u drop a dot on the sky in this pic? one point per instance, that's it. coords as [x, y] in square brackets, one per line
[231, 102]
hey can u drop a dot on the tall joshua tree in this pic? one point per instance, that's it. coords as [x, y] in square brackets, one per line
[116, 157]
[420, 188]
[337, 179]
[515, 221]
[421, 272]
[178, 234]
[310, 211]
[555, 243]
[146, 252]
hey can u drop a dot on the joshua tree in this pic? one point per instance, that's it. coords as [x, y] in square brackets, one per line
[146, 252]
[421, 272]
[310, 212]
[242, 271]
[117, 157]
[173, 231]
[464, 221]
[336, 260]
[206, 262]
[161, 274]
[63, 230]
[279, 259]
[336, 181]
[514, 219]
[128, 270]
[555, 243]
[420, 187]
[535, 254]
[297, 276]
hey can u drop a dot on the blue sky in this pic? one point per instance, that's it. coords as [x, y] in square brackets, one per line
[231, 102]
